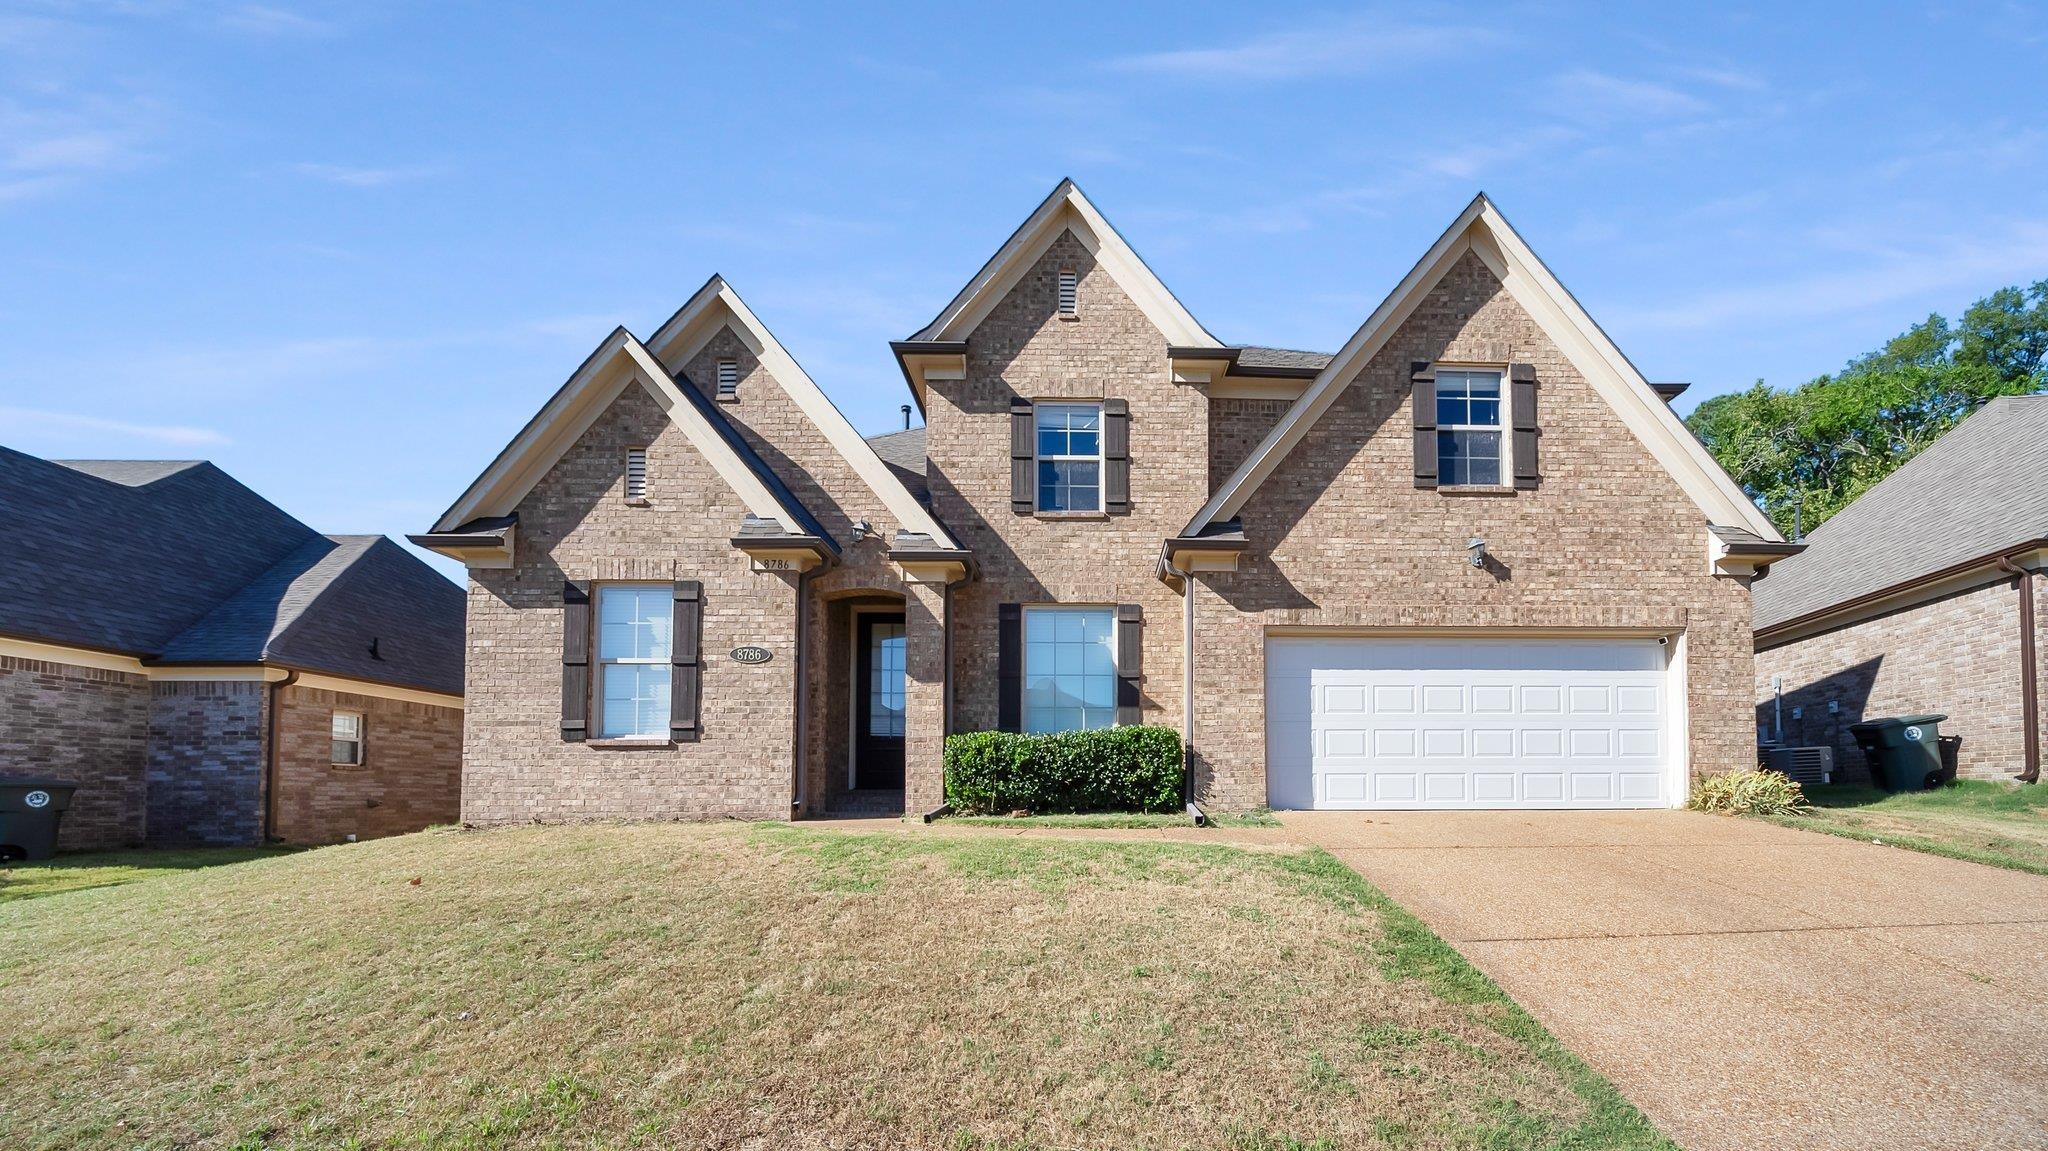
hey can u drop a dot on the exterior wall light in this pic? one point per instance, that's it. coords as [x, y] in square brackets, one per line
[1476, 549]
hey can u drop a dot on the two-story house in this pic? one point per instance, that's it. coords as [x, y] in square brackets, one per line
[1471, 559]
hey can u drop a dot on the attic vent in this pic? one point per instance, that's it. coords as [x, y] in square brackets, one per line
[636, 474]
[1069, 292]
[728, 379]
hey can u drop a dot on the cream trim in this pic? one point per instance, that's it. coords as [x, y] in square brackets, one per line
[1480, 228]
[236, 673]
[75, 656]
[377, 690]
[717, 306]
[1256, 388]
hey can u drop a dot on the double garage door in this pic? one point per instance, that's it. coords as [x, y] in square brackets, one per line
[1426, 722]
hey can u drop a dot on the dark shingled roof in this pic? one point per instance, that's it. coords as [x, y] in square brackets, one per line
[175, 561]
[903, 452]
[1252, 356]
[1978, 489]
[750, 457]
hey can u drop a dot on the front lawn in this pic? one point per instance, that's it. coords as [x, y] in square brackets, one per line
[1117, 820]
[774, 987]
[112, 868]
[2001, 824]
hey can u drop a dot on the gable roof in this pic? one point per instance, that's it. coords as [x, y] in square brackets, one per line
[1482, 230]
[1064, 210]
[716, 307]
[1978, 490]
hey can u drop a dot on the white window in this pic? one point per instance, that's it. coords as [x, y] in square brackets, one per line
[346, 734]
[1070, 292]
[728, 379]
[1069, 457]
[1069, 668]
[1468, 442]
[636, 473]
[634, 630]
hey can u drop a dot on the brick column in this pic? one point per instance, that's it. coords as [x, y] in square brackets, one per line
[924, 695]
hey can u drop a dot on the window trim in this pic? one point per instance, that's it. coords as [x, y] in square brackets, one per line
[1504, 428]
[1024, 656]
[600, 735]
[361, 740]
[1101, 508]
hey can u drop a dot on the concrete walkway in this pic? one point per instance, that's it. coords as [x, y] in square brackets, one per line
[1748, 986]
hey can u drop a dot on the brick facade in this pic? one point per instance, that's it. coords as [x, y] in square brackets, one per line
[410, 777]
[87, 726]
[206, 761]
[1957, 654]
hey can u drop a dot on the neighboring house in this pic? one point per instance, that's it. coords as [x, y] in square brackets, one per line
[696, 591]
[210, 670]
[1921, 596]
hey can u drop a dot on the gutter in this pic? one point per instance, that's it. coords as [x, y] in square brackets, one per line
[270, 756]
[1765, 635]
[2030, 704]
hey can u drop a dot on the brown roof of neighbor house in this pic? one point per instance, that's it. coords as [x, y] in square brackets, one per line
[1979, 489]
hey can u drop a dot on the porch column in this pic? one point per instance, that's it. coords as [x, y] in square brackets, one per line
[926, 627]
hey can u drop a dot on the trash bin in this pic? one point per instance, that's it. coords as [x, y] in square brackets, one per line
[29, 811]
[1904, 752]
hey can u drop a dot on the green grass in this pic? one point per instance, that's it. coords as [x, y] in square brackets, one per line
[1117, 820]
[1980, 821]
[88, 870]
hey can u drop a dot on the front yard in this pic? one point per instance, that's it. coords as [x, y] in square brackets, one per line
[2001, 824]
[771, 987]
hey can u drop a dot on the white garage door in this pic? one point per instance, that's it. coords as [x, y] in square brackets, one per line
[1428, 722]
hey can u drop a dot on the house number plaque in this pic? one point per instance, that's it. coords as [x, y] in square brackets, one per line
[751, 654]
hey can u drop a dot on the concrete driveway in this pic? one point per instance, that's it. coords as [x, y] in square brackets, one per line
[1746, 985]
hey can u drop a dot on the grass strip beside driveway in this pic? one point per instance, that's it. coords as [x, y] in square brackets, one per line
[1980, 821]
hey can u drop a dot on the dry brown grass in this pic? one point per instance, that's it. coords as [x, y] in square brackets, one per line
[766, 987]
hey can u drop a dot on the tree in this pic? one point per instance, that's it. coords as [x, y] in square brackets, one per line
[1818, 446]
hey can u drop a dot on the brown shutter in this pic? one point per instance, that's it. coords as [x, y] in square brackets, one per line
[575, 661]
[1522, 399]
[685, 685]
[1010, 666]
[1023, 458]
[1423, 379]
[1116, 457]
[1130, 662]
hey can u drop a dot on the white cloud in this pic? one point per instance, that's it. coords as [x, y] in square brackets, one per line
[1349, 47]
[269, 21]
[1599, 96]
[352, 176]
[34, 421]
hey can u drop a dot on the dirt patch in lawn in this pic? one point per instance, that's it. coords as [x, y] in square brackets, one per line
[768, 987]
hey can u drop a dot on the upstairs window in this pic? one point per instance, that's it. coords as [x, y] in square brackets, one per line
[636, 475]
[346, 739]
[1069, 457]
[728, 379]
[1070, 293]
[1468, 425]
[635, 628]
[1069, 668]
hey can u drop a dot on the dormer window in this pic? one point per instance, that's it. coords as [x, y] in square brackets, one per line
[728, 379]
[636, 475]
[1070, 294]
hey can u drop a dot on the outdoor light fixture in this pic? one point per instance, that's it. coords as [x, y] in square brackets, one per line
[862, 529]
[1476, 548]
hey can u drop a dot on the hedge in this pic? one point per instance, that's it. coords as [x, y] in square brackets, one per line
[1109, 769]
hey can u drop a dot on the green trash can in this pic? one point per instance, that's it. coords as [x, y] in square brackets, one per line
[1904, 752]
[29, 811]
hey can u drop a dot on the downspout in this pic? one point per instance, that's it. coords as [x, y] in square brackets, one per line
[270, 756]
[2030, 707]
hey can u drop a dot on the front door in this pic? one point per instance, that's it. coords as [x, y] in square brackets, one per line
[878, 703]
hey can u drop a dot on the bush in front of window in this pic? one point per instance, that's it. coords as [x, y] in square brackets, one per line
[1109, 769]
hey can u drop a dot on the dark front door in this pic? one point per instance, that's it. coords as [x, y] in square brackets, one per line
[878, 703]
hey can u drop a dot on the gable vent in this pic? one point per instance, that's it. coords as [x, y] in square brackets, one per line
[1070, 290]
[728, 379]
[636, 473]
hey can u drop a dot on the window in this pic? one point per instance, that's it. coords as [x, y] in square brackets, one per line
[728, 379]
[636, 474]
[1069, 457]
[1468, 427]
[634, 630]
[886, 653]
[1070, 293]
[346, 734]
[1069, 668]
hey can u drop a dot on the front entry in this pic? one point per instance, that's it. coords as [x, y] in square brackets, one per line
[878, 703]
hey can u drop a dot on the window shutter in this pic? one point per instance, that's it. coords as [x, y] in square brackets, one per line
[1522, 399]
[1010, 666]
[1023, 457]
[1116, 457]
[1130, 662]
[685, 684]
[1423, 379]
[575, 661]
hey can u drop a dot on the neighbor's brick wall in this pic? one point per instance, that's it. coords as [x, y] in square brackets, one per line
[1112, 351]
[1342, 537]
[411, 776]
[575, 525]
[87, 726]
[206, 761]
[1957, 655]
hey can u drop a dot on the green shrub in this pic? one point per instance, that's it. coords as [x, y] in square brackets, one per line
[1749, 793]
[1110, 769]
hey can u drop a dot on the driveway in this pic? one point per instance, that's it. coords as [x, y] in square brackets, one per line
[1746, 985]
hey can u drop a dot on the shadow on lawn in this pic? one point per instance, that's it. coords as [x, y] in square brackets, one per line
[85, 871]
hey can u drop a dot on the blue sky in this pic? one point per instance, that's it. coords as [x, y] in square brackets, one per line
[345, 251]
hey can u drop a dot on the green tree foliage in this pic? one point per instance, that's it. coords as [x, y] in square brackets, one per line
[1831, 438]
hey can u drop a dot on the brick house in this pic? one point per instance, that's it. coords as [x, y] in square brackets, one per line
[1921, 596]
[210, 670]
[1470, 559]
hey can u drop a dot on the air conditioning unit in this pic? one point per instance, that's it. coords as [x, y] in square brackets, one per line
[1803, 764]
